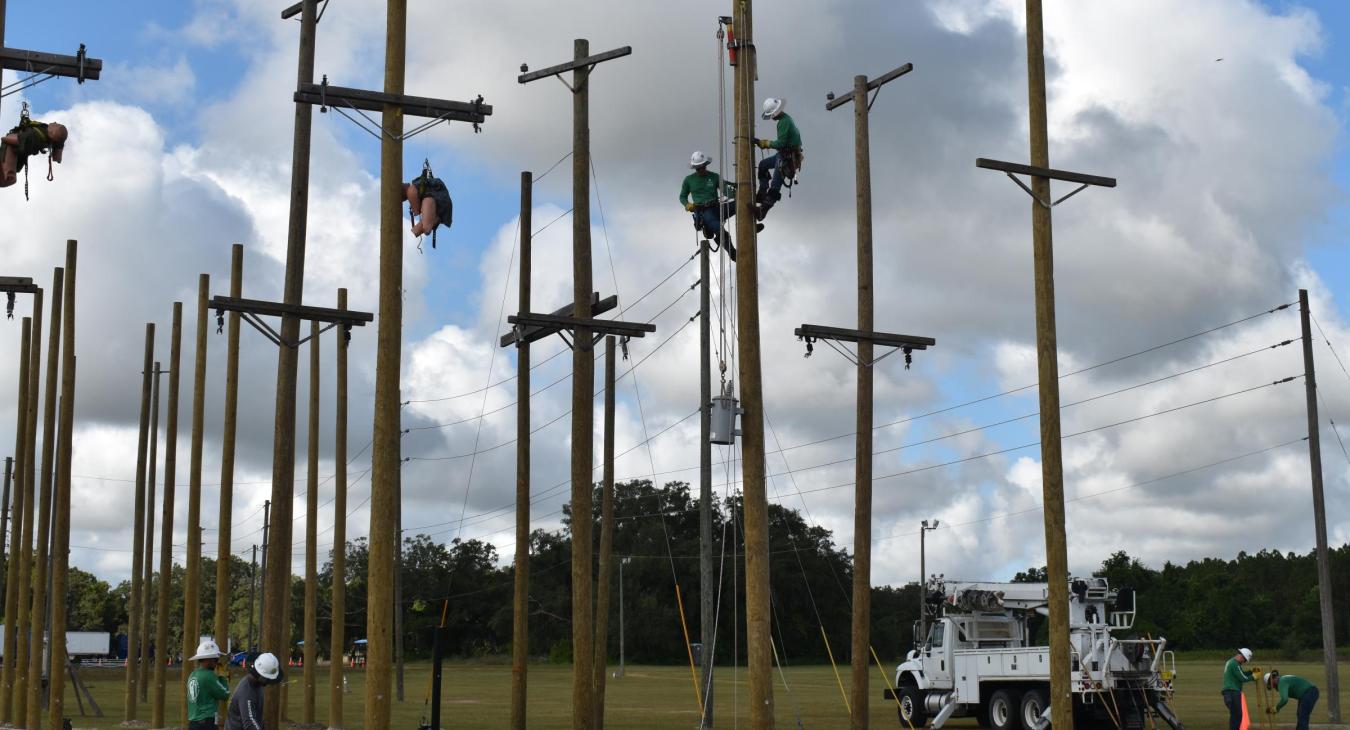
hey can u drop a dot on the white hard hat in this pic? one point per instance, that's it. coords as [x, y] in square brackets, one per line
[206, 650]
[1246, 653]
[1267, 678]
[773, 107]
[267, 666]
[698, 159]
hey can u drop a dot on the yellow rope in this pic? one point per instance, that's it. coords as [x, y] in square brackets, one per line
[887, 680]
[693, 672]
[837, 678]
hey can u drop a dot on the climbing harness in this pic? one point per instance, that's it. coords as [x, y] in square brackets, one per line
[428, 184]
[29, 127]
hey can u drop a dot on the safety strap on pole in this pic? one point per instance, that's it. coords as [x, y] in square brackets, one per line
[842, 692]
[698, 693]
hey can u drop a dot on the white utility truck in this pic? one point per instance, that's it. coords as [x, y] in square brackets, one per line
[980, 659]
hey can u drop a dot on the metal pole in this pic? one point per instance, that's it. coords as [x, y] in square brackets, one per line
[8, 673]
[520, 628]
[311, 627]
[1052, 468]
[758, 641]
[583, 400]
[193, 574]
[252, 645]
[148, 564]
[707, 569]
[225, 512]
[606, 542]
[923, 589]
[1324, 584]
[339, 601]
[36, 659]
[26, 635]
[278, 572]
[166, 518]
[138, 537]
[384, 497]
[61, 524]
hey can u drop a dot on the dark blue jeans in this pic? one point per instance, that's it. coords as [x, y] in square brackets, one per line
[1232, 699]
[706, 220]
[770, 177]
[1305, 707]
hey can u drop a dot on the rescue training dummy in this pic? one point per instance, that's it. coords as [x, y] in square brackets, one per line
[28, 139]
[701, 194]
[429, 200]
[784, 163]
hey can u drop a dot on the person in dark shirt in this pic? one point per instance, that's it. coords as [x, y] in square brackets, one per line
[246, 706]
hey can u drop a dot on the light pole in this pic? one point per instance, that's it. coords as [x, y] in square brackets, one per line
[622, 563]
[924, 529]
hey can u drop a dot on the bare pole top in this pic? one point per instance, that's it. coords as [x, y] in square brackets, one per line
[833, 102]
[526, 75]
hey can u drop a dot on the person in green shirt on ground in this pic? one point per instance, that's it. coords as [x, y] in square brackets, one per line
[781, 165]
[701, 194]
[205, 688]
[1297, 687]
[1234, 676]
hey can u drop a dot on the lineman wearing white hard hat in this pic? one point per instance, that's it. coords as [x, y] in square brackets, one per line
[205, 688]
[246, 706]
[1237, 672]
[701, 195]
[786, 160]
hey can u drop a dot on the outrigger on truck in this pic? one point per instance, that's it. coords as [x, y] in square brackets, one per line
[981, 659]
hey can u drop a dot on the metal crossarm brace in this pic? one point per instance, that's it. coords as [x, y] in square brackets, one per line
[375, 101]
[252, 311]
[589, 62]
[78, 67]
[833, 102]
[812, 333]
[1012, 169]
[521, 335]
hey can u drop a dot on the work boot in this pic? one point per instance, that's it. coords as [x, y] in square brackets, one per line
[725, 241]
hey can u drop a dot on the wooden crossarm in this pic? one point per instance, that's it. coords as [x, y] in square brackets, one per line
[536, 333]
[278, 309]
[885, 339]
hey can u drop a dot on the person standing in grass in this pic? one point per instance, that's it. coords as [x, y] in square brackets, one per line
[205, 688]
[1234, 676]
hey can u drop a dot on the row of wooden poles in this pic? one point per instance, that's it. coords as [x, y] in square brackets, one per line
[39, 560]
[138, 679]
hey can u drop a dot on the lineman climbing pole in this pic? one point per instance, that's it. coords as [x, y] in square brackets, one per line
[61, 524]
[1047, 350]
[865, 338]
[138, 537]
[227, 446]
[584, 328]
[193, 574]
[166, 517]
[759, 642]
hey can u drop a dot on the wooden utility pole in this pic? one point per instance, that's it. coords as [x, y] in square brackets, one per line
[337, 636]
[61, 525]
[250, 644]
[583, 373]
[36, 658]
[26, 620]
[166, 518]
[1052, 468]
[759, 642]
[225, 512]
[706, 567]
[148, 562]
[311, 628]
[10, 676]
[138, 537]
[1324, 583]
[4, 517]
[606, 542]
[520, 626]
[262, 583]
[192, 580]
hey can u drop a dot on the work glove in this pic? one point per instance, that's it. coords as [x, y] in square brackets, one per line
[1255, 672]
[690, 207]
[764, 144]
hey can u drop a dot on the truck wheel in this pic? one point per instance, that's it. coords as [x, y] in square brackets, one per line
[1034, 703]
[1003, 710]
[911, 709]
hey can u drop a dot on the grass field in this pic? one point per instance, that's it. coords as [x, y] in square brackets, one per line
[477, 695]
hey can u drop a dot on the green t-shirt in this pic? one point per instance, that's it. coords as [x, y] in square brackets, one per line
[788, 134]
[702, 188]
[1234, 676]
[1291, 686]
[204, 689]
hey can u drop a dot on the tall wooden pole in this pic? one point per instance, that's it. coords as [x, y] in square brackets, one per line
[862, 490]
[26, 635]
[520, 627]
[606, 542]
[337, 635]
[384, 496]
[138, 538]
[311, 628]
[4, 519]
[36, 659]
[192, 581]
[583, 400]
[166, 518]
[1324, 584]
[148, 561]
[9, 673]
[225, 512]
[1052, 468]
[707, 572]
[278, 571]
[759, 647]
[61, 525]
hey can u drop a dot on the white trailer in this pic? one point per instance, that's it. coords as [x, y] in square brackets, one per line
[78, 643]
[979, 660]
